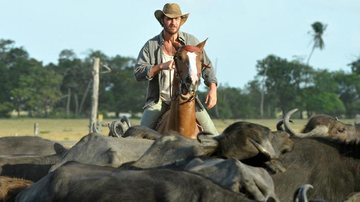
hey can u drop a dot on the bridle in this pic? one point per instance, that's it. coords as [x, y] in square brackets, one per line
[185, 85]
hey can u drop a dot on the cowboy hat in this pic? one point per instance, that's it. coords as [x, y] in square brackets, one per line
[171, 10]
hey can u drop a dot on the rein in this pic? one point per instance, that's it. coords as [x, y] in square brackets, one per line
[170, 81]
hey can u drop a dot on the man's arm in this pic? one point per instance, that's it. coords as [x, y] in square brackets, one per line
[162, 66]
[145, 68]
[211, 98]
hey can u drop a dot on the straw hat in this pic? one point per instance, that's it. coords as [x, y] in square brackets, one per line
[171, 10]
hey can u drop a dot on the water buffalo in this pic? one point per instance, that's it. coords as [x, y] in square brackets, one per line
[241, 140]
[103, 150]
[173, 149]
[254, 182]
[80, 182]
[331, 167]
[327, 163]
[141, 132]
[27, 167]
[322, 125]
[300, 195]
[248, 141]
[28, 157]
[29, 145]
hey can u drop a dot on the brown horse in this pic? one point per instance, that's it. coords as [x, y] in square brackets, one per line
[181, 115]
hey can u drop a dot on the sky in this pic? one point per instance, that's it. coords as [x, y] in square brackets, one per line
[239, 32]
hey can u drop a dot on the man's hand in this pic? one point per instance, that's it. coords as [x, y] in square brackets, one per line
[211, 98]
[167, 65]
[162, 66]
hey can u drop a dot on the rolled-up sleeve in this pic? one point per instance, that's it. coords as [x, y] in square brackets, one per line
[143, 64]
[208, 72]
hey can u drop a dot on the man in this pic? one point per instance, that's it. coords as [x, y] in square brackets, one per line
[155, 64]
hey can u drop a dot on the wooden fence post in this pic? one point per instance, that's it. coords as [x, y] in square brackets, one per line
[95, 93]
[36, 129]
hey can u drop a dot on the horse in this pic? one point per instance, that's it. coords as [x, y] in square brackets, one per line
[181, 116]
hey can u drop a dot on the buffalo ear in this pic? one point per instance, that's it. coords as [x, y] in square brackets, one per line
[202, 44]
[208, 140]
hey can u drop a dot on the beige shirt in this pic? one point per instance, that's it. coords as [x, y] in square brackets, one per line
[166, 79]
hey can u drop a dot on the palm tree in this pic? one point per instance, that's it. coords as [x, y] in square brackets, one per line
[318, 31]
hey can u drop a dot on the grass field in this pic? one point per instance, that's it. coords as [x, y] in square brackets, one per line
[75, 129]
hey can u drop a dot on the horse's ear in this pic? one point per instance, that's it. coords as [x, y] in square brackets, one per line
[202, 44]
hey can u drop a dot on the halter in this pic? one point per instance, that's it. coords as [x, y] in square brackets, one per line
[184, 84]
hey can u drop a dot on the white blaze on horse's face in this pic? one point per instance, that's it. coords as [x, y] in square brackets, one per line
[192, 67]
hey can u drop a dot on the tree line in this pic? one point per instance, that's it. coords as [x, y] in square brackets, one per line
[63, 89]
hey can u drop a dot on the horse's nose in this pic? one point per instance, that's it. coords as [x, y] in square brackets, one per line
[191, 80]
[193, 88]
[194, 79]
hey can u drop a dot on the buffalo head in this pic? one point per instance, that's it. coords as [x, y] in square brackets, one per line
[325, 126]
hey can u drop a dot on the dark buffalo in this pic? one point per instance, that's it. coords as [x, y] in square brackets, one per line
[29, 145]
[322, 125]
[177, 152]
[254, 182]
[244, 140]
[173, 149]
[240, 140]
[80, 182]
[142, 132]
[93, 149]
[27, 167]
[107, 151]
[330, 165]
[28, 157]
[301, 195]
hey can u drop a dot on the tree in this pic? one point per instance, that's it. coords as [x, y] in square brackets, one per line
[76, 82]
[5, 87]
[37, 91]
[318, 30]
[348, 91]
[325, 102]
[14, 62]
[355, 66]
[321, 96]
[284, 80]
[119, 90]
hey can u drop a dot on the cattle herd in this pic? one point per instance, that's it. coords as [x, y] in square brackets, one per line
[246, 162]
